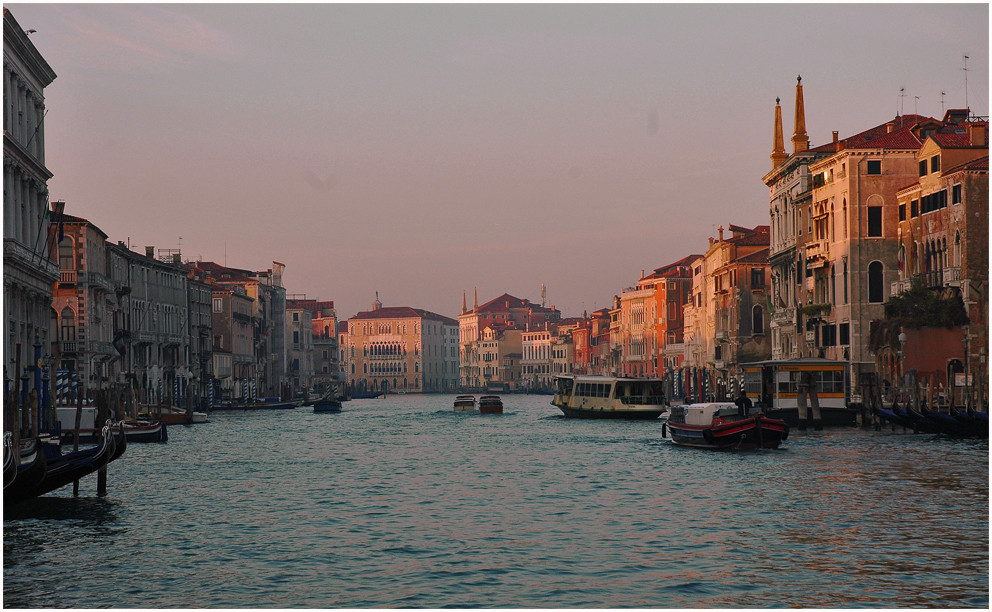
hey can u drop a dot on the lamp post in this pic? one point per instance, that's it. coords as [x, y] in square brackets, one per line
[967, 371]
[902, 356]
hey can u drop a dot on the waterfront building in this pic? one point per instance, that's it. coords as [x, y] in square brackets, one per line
[790, 196]
[30, 269]
[506, 311]
[199, 299]
[233, 342]
[943, 245]
[84, 307]
[536, 358]
[299, 343]
[268, 320]
[327, 372]
[636, 338]
[152, 323]
[399, 349]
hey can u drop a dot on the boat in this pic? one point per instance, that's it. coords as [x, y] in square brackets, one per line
[465, 403]
[61, 469]
[607, 397]
[146, 431]
[326, 404]
[30, 471]
[773, 386]
[267, 404]
[490, 404]
[367, 395]
[721, 426]
[9, 459]
[173, 415]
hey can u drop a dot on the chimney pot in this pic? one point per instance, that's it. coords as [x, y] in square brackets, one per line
[836, 134]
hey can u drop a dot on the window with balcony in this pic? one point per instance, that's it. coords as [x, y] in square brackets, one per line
[68, 327]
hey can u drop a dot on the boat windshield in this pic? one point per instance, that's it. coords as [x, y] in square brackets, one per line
[565, 385]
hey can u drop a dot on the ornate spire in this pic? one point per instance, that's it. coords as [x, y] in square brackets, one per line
[778, 149]
[800, 141]
[464, 303]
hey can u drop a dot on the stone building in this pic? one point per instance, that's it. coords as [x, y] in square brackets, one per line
[299, 344]
[507, 311]
[943, 244]
[152, 321]
[400, 349]
[29, 266]
[84, 305]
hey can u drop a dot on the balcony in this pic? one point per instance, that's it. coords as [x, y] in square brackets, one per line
[68, 348]
[899, 286]
[67, 277]
[819, 249]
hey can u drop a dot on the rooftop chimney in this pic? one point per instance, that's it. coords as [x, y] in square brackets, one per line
[889, 127]
[977, 134]
[721, 233]
[150, 251]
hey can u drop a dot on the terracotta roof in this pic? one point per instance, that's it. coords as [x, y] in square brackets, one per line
[901, 136]
[750, 237]
[402, 312]
[756, 257]
[506, 301]
[67, 218]
[977, 165]
[673, 268]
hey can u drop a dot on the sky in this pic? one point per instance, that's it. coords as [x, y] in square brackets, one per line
[426, 152]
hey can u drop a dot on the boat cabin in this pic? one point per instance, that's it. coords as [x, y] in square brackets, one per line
[631, 391]
[774, 384]
[703, 414]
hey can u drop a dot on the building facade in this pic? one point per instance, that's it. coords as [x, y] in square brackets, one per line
[30, 269]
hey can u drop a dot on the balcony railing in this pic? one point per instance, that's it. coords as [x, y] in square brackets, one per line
[68, 347]
[67, 276]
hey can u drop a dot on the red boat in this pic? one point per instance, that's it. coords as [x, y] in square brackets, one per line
[490, 404]
[721, 426]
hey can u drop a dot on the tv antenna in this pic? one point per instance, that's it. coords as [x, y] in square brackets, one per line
[902, 94]
[942, 94]
[966, 82]
[916, 105]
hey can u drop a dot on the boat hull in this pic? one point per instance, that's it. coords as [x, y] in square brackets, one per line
[605, 413]
[326, 406]
[758, 431]
[490, 405]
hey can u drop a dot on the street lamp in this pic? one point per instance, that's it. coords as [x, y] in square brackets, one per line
[967, 371]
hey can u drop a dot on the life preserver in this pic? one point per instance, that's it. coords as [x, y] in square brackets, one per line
[708, 436]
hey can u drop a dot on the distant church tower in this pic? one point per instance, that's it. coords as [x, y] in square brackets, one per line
[800, 141]
[376, 305]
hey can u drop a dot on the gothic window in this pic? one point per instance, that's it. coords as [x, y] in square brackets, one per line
[757, 320]
[68, 325]
[876, 287]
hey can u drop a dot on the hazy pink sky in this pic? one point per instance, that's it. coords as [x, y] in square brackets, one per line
[424, 150]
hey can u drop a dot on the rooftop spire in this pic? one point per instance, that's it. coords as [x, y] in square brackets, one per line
[778, 149]
[464, 303]
[800, 141]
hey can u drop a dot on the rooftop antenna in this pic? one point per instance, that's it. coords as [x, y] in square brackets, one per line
[942, 94]
[902, 94]
[916, 107]
[966, 83]
[544, 296]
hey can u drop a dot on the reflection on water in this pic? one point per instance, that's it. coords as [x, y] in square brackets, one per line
[402, 502]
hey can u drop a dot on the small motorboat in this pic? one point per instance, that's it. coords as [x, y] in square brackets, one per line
[326, 404]
[465, 403]
[721, 426]
[490, 404]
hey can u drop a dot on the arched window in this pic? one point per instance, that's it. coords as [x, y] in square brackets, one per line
[876, 284]
[66, 259]
[757, 320]
[68, 332]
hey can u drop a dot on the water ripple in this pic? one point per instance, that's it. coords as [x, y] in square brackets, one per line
[400, 502]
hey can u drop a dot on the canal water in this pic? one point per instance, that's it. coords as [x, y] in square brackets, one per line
[401, 502]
